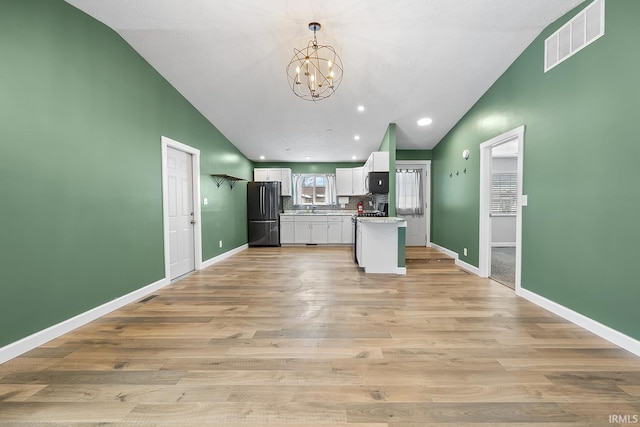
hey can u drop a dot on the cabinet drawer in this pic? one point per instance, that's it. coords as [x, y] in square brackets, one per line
[287, 218]
[334, 218]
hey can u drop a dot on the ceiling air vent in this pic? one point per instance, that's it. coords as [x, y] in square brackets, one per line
[583, 29]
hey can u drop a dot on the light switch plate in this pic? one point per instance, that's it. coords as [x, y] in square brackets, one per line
[524, 200]
[205, 201]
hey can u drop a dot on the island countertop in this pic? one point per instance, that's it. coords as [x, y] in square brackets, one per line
[380, 219]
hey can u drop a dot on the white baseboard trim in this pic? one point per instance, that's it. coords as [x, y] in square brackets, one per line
[465, 266]
[17, 348]
[609, 334]
[444, 250]
[211, 261]
[470, 268]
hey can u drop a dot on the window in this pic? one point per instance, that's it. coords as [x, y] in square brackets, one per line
[409, 192]
[504, 192]
[314, 189]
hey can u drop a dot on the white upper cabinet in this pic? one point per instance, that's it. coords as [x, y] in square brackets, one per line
[344, 182]
[358, 181]
[378, 161]
[267, 174]
[352, 181]
[282, 175]
[286, 182]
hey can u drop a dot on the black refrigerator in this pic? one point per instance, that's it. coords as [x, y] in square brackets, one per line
[264, 205]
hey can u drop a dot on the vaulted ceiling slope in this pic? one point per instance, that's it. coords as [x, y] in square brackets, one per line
[403, 60]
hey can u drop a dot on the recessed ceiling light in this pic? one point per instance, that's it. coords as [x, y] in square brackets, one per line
[357, 137]
[353, 157]
[425, 121]
[308, 157]
[261, 157]
[361, 108]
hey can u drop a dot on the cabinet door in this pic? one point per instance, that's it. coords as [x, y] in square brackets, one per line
[286, 182]
[318, 232]
[379, 161]
[334, 230]
[358, 181]
[302, 232]
[347, 230]
[287, 229]
[344, 181]
[287, 233]
[275, 174]
[260, 174]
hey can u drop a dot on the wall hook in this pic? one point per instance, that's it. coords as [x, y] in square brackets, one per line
[457, 173]
[465, 170]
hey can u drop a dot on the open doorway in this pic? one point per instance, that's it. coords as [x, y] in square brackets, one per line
[501, 201]
[504, 200]
[412, 199]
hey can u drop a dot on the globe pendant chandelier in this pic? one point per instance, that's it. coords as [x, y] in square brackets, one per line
[315, 72]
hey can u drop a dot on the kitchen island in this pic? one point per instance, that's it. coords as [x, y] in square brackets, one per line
[380, 244]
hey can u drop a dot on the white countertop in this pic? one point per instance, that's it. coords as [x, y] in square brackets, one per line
[322, 212]
[380, 219]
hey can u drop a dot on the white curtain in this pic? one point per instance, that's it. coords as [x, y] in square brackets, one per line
[409, 198]
[330, 191]
[297, 189]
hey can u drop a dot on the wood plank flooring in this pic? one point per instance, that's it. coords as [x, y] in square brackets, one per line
[300, 336]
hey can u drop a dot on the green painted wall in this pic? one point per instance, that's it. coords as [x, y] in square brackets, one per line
[414, 155]
[580, 230]
[81, 116]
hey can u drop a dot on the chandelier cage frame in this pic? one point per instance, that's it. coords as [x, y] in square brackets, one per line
[315, 72]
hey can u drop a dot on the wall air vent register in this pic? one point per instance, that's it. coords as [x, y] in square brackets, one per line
[582, 30]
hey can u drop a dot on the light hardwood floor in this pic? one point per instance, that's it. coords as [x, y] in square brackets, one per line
[300, 336]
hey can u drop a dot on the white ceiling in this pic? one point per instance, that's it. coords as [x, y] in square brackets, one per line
[403, 60]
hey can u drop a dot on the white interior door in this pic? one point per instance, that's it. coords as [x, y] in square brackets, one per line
[418, 226]
[180, 212]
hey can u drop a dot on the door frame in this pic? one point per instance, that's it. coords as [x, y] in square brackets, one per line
[195, 180]
[484, 251]
[426, 164]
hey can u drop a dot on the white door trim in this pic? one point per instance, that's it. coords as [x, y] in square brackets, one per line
[197, 229]
[426, 164]
[485, 201]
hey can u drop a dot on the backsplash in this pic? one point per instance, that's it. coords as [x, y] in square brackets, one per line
[287, 203]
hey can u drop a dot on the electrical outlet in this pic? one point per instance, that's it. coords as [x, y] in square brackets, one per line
[220, 243]
[464, 251]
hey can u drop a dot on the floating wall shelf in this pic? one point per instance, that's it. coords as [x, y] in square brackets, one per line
[221, 177]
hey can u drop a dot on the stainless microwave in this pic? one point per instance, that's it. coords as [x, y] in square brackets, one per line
[377, 183]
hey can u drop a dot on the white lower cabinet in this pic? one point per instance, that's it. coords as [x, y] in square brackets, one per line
[310, 229]
[287, 233]
[347, 230]
[334, 229]
[316, 229]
